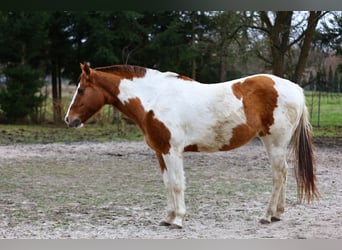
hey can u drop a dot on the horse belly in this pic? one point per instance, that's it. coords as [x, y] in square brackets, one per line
[223, 135]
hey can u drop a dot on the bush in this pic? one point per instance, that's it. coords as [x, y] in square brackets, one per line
[21, 98]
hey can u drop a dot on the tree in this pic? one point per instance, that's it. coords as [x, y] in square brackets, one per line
[174, 41]
[305, 46]
[19, 99]
[170, 31]
[131, 35]
[330, 35]
[282, 32]
[230, 40]
[23, 37]
[22, 50]
[329, 39]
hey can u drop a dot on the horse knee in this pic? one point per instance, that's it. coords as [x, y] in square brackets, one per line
[176, 185]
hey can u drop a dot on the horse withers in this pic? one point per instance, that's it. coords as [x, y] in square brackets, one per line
[177, 114]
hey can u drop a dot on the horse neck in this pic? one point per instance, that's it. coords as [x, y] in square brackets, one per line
[109, 86]
[132, 107]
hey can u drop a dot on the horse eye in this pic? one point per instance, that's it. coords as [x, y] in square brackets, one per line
[80, 91]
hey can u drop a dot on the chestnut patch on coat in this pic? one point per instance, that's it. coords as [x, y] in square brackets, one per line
[191, 148]
[259, 99]
[157, 134]
[134, 110]
[108, 82]
[161, 162]
[241, 135]
[184, 78]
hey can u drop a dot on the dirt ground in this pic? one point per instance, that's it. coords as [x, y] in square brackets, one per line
[115, 190]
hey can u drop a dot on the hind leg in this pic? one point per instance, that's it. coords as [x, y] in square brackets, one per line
[282, 196]
[277, 155]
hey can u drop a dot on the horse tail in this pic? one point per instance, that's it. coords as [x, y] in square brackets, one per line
[304, 162]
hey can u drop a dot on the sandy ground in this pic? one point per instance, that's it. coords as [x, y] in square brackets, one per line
[115, 190]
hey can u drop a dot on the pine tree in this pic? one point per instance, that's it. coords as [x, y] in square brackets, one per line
[22, 47]
[19, 100]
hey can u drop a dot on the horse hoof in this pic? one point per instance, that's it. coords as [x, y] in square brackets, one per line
[174, 226]
[275, 219]
[264, 221]
[164, 224]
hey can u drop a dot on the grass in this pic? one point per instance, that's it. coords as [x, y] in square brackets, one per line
[328, 131]
[12, 134]
[325, 110]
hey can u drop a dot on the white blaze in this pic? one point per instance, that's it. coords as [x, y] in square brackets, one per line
[72, 101]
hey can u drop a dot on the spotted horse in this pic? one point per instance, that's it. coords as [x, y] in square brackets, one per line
[177, 114]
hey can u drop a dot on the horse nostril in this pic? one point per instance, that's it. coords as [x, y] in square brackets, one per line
[75, 123]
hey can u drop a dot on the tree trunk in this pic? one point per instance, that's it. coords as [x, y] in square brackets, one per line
[277, 62]
[56, 94]
[23, 53]
[223, 70]
[279, 36]
[305, 48]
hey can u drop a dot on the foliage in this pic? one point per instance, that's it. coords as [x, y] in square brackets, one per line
[20, 99]
[23, 36]
[22, 46]
[230, 48]
[330, 34]
[329, 39]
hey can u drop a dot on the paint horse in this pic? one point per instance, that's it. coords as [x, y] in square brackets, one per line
[177, 114]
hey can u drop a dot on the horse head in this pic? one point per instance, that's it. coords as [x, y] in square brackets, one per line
[87, 100]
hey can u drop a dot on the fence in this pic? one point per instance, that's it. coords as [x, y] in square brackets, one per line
[325, 108]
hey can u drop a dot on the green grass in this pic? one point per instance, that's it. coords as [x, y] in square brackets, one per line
[325, 111]
[329, 131]
[328, 113]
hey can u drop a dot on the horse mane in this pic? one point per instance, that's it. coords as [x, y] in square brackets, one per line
[127, 71]
[130, 71]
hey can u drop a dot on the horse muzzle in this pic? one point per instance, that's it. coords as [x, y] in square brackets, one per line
[75, 123]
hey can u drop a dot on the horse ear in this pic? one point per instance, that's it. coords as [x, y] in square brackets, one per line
[85, 69]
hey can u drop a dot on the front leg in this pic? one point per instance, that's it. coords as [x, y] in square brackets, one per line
[174, 180]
